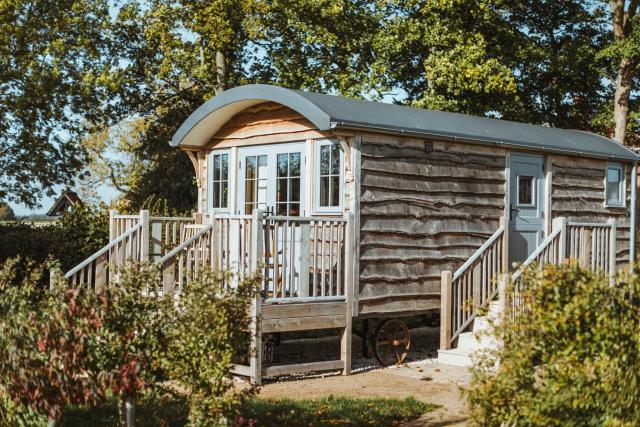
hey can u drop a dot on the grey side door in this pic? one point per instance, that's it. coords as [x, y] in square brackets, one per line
[526, 220]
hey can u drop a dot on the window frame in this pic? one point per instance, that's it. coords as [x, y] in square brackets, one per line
[623, 185]
[534, 192]
[316, 178]
[210, 160]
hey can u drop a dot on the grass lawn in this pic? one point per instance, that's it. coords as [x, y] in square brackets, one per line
[329, 411]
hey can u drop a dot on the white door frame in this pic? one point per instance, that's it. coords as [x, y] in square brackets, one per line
[271, 151]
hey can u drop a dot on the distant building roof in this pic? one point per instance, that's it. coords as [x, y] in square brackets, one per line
[328, 112]
[66, 201]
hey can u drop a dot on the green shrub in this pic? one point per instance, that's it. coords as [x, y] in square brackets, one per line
[572, 359]
[75, 237]
[209, 329]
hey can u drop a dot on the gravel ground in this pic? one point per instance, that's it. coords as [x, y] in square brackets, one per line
[421, 376]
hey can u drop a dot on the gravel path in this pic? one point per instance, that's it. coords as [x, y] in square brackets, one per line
[421, 377]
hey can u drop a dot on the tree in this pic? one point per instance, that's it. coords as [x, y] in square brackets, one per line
[6, 213]
[625, 50]
[52, 57]
[445, 55]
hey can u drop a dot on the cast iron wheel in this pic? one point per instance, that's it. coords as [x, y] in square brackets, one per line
[392, 342]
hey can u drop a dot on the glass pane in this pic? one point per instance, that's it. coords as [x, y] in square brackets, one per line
[294, 209]
[335, 191]
[281, 191]
[216, 195]
[613, 192]
[224, 194]
[324, 191]
[248, 208]
[262, 167]
[525, 190]
[324, 160]
[251, 167]
[262, 191]
[335, 159]
[294, 194]
[224, 167]
[283, 164]
[216, 168]
[613, 175]
[294, 164]
[249, 194]
[281, 209]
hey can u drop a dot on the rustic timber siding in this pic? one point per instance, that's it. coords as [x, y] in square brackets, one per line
[578, 194]
[266, 123]
[422, 212]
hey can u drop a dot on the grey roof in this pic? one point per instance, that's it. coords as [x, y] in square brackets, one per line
[328, 112]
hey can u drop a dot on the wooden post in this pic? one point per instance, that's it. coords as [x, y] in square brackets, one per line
[305, 253]
[102, 271]
[156, 240]
[560, 223]
[505, 244]
[476, 285]
[445, 310]
[255, 361]
[612, 248]
[347, 332]
[168, 278]
[197, 218]
[113, 232]
[144, 236]
[502, 293]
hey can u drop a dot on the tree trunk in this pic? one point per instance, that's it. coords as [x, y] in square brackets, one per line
[221, 72]
[128, 411]
[624, 84]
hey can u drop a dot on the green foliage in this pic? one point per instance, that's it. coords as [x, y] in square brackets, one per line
[47, 347]
[166, 409]
[572, 359]
[209, 329]
[75, 237]
[331, 410]
[50, 91]
[6, 213]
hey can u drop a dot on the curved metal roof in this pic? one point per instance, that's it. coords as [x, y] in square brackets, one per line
[328, 112]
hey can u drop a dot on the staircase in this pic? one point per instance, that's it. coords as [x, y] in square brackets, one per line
[468, 297]
[472, 343]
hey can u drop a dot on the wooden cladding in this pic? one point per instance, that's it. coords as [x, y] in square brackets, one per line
[578, 194]
[266, 123]
[422, 211]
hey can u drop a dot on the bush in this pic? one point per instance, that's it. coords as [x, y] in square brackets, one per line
[75, 237]
[572, 359]
[74, 346]
[209, 328]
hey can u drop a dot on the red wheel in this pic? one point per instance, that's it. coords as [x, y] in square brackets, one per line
[392, 342]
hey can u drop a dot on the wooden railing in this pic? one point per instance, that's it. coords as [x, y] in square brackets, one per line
[472, 286]
[593, 245]
[304, 258]
[97, 270]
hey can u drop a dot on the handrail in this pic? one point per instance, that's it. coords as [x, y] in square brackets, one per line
[102, 251]
[545, 243]
[477, 254]
[176, 251]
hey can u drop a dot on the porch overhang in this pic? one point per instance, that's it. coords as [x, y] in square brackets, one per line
[205, 122]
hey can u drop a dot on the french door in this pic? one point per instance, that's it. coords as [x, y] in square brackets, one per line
[272, 178]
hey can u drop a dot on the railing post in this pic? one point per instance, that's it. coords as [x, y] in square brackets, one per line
[144, 235]
[255, 361]
[503, 282]
[560, 223]
[346, 339]
[445, 310]
[113, 232]
[505, 244]
[168, 278]
[612, 248]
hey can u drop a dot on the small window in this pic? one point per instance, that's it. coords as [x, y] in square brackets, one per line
[329, 186]
[614, 186]
[526, 191]
[220, 181]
